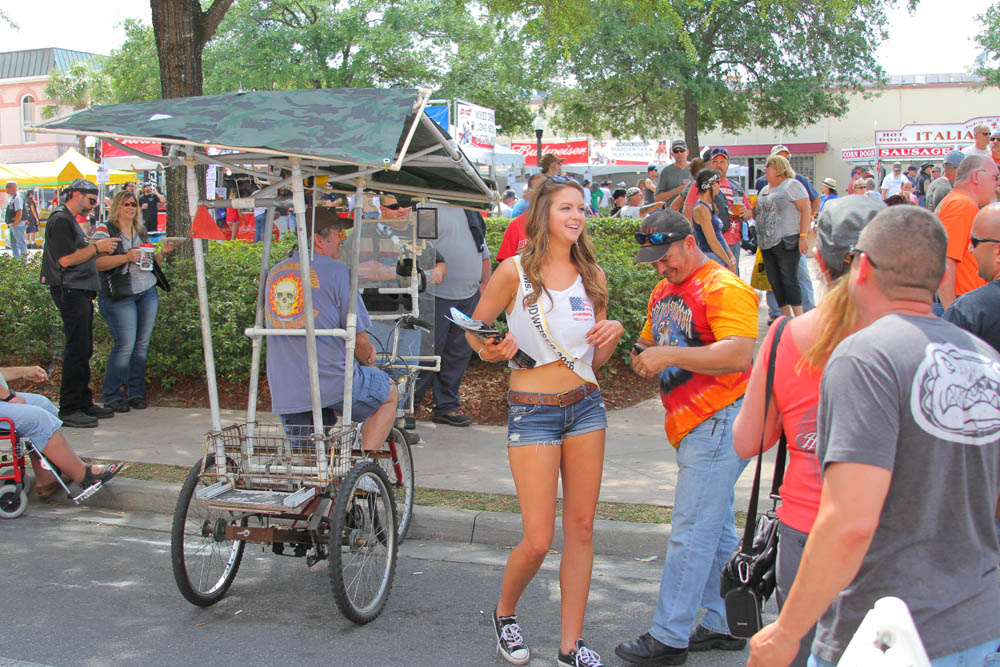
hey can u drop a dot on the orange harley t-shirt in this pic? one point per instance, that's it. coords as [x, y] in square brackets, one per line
[711, 304]
[956, 212]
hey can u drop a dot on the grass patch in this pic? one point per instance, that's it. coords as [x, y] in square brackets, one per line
[464, 500]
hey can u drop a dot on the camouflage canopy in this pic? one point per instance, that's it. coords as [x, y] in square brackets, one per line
[339, 131]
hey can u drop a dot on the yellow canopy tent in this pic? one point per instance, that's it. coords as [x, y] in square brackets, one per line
[62, 171]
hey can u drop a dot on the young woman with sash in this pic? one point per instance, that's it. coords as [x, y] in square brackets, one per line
[555, 297]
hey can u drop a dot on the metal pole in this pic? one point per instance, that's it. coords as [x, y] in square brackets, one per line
[352, 304]
[538, 137]
[305, 273]
[258, 319]
[203, 311]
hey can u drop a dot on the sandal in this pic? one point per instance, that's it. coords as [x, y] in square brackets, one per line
[103, 477]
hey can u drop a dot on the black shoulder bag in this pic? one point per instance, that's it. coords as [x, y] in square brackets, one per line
[748, 577]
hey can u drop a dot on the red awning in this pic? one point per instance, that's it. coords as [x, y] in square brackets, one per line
[757, 150]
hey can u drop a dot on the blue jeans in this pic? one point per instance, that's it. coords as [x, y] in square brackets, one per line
[805, 285]
[18, 246]
[978, 656]
[703, 532]
[259, 224]
[131, 323]
[35, 419]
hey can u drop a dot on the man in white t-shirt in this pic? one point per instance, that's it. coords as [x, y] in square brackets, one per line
[893, 183]
[981, 135]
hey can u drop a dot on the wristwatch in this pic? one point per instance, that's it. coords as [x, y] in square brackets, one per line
[12, 395]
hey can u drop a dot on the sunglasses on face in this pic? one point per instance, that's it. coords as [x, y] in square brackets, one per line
[392, 207]
[130, 204]
[985, 134]
[679, 150]
[976, 240]
[92, 200]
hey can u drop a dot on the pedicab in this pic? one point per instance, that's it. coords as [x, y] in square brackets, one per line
[315, 495]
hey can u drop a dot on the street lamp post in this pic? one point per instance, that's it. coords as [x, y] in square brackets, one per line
[539, 127]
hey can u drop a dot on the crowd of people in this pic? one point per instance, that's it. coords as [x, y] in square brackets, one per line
[899, 484]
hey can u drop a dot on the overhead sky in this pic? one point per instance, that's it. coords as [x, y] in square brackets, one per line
[937, 38]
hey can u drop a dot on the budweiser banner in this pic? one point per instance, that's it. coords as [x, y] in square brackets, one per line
[573, 152]
[151, 147]
[475, 125]
[655, 151]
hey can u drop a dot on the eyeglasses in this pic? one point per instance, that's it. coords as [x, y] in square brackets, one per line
[130, 204]
[976, 240]
[854, 252]
[92, 200]
[654, 238]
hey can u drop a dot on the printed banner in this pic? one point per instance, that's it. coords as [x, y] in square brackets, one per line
[475, 125]
[573, 152]
[655, 151]
[935, 133]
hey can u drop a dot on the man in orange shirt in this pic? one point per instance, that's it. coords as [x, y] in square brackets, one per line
[975, 187]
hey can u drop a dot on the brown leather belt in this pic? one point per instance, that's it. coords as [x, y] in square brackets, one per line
[562, 400]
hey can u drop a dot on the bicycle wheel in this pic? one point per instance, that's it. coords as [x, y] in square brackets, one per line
[203, 561]
[398, 467]
[363, 543]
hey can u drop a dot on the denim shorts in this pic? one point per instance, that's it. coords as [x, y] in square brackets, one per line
[368, 392]
[549, 424]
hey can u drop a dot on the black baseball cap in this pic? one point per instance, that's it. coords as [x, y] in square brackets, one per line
[671, 224]
[82, 185]
[718, 150]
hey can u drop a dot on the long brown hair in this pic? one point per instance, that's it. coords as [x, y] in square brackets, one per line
[533, 255]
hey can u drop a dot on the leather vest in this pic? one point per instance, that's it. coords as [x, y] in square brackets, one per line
[81, 276]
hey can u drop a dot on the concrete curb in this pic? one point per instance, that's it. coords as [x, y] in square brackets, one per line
[497, 529]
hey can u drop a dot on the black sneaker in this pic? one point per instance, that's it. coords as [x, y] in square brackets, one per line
[648, 650]
[77, 419]
[581, 656]
[510, 644]
[139, 403]
[117, 406]
[99, 411]
[705, 640]
[451, 419]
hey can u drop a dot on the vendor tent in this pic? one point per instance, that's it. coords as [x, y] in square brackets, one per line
[380, 134]
[62, 171]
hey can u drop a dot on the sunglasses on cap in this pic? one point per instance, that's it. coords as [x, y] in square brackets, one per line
[559, 179]
[654, 238]
[976, 240]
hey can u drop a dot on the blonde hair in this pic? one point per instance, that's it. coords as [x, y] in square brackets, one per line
[581, 253]
[116, 204]
[837, 318]
[781, 165]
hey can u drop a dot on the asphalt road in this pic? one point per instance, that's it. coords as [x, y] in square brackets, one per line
[86, 587]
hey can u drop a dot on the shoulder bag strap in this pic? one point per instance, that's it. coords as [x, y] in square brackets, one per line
[751, 524]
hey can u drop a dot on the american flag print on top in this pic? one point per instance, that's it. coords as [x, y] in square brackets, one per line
[582, 308]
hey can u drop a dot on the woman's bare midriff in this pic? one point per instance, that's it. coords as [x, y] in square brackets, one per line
[552, 378]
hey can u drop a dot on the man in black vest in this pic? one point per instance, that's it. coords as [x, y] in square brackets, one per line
[70, 270]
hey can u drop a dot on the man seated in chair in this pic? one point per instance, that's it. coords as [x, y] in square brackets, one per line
[373, 396]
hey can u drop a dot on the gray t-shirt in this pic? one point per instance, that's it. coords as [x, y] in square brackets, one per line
[777, 214]
[139, 280]
[672, 177]
[936, 191]
[463, 259]
[918, 396]
[287, 362]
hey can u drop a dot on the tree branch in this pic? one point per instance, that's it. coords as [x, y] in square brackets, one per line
[211, 19]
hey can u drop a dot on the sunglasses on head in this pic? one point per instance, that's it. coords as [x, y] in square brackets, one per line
[653, 238]
[976, 240]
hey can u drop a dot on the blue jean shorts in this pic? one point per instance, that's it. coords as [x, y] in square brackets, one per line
[368, 392]
[549, 424]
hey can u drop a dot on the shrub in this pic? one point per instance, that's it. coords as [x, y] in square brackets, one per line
[32, 331]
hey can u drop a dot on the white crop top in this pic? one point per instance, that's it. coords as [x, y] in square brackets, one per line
[568, 316]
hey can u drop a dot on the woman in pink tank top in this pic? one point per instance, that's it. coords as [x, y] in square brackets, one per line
[805, 345]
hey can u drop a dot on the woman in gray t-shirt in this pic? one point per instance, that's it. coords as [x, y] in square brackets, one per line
[782, 225]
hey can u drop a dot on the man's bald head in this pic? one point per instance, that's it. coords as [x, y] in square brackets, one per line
[986, 237]
[907, 243]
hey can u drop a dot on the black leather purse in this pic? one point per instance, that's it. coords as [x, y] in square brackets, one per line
[748, 577]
